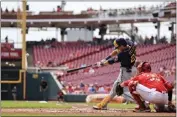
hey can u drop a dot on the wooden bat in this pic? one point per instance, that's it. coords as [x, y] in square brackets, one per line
[76, 69]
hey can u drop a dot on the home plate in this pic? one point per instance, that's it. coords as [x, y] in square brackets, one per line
[42, 101]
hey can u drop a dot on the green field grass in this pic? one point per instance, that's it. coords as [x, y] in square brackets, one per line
[54, 104]
[33, 104]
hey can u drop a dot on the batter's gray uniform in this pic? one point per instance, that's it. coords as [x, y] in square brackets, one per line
[127, 59]
[123, 76]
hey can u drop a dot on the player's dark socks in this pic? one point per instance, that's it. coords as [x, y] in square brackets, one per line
[170, 93]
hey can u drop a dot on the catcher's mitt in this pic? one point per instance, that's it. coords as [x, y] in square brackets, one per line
[119, 89]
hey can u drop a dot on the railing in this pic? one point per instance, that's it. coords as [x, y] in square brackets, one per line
[136, 16]
[16, 45]
[105, 15]
[16, 13]
[60, 86]
[9, 41]
[56, 13]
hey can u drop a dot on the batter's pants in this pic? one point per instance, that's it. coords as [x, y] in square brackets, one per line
[123, 76]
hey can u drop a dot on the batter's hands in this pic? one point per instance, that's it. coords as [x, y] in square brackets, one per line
[101, 63]
[98, 64]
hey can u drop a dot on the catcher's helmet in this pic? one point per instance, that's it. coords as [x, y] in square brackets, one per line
[144, 67]
[119, 42]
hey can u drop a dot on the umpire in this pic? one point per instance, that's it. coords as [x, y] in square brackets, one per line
[43, 88]
[125, 51]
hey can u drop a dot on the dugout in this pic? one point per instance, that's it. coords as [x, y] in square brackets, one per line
[10, 73]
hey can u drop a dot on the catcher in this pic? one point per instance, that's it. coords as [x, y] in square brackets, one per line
[125, 51]
[151, 87]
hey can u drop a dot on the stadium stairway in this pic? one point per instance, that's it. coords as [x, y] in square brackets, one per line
[60, 86]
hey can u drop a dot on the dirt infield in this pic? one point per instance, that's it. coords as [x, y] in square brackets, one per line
[80, 110]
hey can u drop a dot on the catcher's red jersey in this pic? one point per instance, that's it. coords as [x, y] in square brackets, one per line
[151, 80]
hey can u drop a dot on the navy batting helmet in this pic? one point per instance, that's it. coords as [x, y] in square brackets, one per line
[119, 42]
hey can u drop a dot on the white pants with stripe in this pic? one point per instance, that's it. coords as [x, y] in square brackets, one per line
[151, 95]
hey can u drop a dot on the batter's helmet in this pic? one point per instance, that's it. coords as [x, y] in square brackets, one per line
[119, 42]
[144, 67]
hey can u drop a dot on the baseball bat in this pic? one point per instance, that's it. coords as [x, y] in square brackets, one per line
[76, 69]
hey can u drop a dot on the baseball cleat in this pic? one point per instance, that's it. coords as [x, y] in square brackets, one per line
[142, 110]
[146, 109]
[103, 104]
[99, 108]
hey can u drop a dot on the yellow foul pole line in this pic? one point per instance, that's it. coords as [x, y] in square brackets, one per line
[24, 46]
[24, 35]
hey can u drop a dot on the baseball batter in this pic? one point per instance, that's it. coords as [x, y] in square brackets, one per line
[126, 55]
[147, 86]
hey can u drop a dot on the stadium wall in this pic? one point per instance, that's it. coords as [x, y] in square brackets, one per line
[10, 79]
[33, 87]
[6, 91]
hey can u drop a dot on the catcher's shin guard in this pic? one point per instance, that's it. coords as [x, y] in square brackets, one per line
[170, 93]
[103, 104]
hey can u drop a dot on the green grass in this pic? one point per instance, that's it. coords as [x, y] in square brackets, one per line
[32, 104]
[53, 104]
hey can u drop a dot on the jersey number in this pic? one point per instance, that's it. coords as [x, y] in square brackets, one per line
[133, 54]
[133, 58]
[154, 79]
